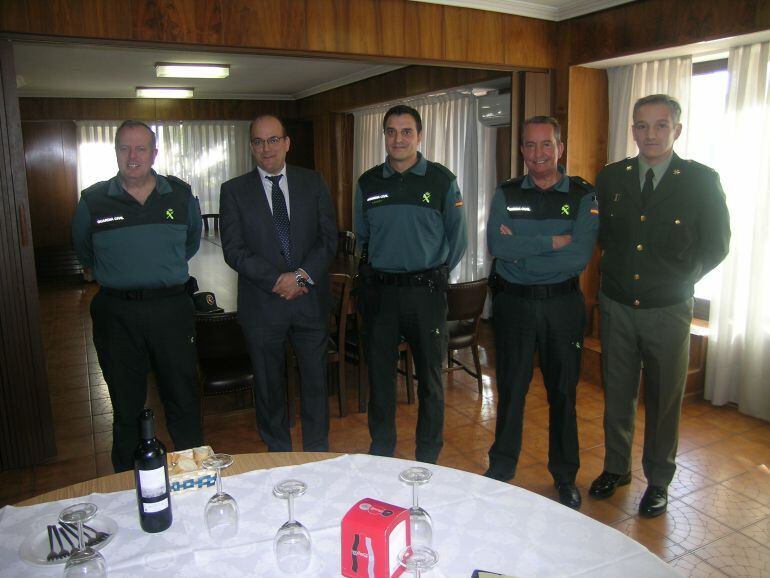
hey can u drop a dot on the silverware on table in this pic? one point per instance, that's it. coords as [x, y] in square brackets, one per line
[63, 552]
[52, 555]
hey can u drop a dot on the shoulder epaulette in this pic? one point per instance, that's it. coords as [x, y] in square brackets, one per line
[513, 181]
[178, 181]
[581, 183]
[449, 174]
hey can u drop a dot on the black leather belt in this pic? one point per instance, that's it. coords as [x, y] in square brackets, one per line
[415, 279]
[142, 294]
[540, 291]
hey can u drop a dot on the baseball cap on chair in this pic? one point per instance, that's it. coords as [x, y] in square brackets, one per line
[205, 302]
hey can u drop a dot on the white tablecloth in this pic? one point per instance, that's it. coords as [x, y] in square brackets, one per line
[478, 523]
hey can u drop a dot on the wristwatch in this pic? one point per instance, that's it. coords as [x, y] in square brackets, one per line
[301, 281]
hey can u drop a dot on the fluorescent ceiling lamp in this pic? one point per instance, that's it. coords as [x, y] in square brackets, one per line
[170, 70]
[145, 92]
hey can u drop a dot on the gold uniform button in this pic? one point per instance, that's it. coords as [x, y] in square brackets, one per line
[677, 222]
[643, 218]
[640, 247]
[636, 302]
[637, 277]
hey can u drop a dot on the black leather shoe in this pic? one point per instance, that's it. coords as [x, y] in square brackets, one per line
[606, 484]
[569, 495]
[498, 475]
[654, 501]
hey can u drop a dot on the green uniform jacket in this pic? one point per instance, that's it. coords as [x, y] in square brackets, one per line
[653, 255]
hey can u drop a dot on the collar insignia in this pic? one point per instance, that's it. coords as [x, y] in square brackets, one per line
[677, 172]
[628, 168]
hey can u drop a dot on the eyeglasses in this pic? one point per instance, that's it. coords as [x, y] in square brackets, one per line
[404, 132]
[272, 141]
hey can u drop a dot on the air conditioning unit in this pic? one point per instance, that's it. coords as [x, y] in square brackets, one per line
[495, 110]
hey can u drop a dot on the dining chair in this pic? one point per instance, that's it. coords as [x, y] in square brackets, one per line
[214, 218]
[465, 304]
[346, 244]
[224, 366]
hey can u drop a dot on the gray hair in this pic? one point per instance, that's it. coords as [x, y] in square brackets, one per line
[669, 101]
[133, 123]
[543, 120]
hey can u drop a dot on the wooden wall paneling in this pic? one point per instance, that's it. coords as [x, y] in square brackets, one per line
[619, 31]
[246, 23]
[482, 32]
[51, 181]
[424, 30]
[530, 36]
[26, 428]
[537, 94]
[392, 17]
[327, 20]
[83, 18]
[333, 135]
[363, 27]
[13, 15]
[187, 21]
[517, 116]
[589, 125]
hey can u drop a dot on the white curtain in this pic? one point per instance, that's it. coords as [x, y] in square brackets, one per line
[627, 84]
[452, 136]
[738, 366]
[204, 154]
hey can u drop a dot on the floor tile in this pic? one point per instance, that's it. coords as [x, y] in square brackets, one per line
[736, 555]
[693, 567]
[730, 508]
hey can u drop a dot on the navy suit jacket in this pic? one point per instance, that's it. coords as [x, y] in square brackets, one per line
[250, 243]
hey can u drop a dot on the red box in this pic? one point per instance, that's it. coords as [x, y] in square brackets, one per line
[373, 534]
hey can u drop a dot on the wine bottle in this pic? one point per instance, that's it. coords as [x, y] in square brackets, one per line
[151, 475]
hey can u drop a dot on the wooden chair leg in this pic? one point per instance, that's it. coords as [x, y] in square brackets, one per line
[477, 364]
[342, 387]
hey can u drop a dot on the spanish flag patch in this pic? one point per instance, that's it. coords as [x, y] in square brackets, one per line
[458, 203]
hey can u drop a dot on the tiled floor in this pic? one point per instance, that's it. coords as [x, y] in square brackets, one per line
[717, 524]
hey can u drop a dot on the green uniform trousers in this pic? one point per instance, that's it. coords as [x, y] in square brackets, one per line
[657, 341]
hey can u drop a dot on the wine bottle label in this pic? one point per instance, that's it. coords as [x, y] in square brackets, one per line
[152, 507]
[152, 482]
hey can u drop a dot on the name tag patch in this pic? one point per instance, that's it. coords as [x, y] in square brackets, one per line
[519, 209]
[109, 219]
[377, 197]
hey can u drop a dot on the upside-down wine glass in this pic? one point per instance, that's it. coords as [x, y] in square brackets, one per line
[292, 544]
[418, 559]
[221, 511]
[85, 561]
[420, 522]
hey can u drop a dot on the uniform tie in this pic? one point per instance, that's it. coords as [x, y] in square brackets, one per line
[281, 218]
[647, 189]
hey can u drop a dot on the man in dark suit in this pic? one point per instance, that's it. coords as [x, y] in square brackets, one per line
[279, 233]
[663, 224]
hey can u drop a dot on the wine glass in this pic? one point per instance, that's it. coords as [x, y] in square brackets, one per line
[221, 511]
[85, 561]
[420, 522]
[292, 541]
[418, 559]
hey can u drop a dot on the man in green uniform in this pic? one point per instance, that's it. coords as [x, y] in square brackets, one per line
[663, 225]
[542, 231]
[136, 232]
[410, 219]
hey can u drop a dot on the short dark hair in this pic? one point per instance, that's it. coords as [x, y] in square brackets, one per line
[264, 116]
[400, 109]
[134, 123]
[543, 120]
[669, 101]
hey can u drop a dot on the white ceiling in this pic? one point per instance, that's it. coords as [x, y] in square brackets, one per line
[57, 69]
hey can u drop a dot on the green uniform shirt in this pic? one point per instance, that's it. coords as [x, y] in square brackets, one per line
[410, 221]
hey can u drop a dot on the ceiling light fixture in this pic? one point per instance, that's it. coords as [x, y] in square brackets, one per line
[148, 92]
[174, 70]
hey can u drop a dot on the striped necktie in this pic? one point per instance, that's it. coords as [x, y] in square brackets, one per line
[281, 219]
